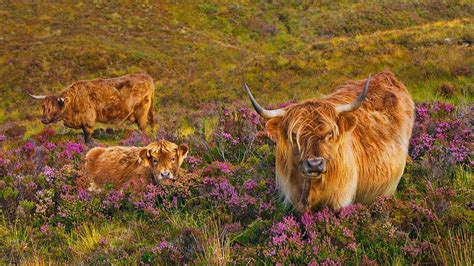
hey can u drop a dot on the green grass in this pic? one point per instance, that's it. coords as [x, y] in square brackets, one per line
[202, 52]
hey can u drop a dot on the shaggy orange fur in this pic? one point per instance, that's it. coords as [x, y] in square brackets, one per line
[365, 149]
[113, 100]
[133, 167]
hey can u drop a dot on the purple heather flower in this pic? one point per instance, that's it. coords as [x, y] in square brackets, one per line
[352, 246]
[174, 202]
[208, 181]
[287, 224]
[136, 138]
[163, 244]
[72, 148]
[224, 167]
[44, 228]
[266, 206]
[350, 210]
[227, 136]
[139, 204]
[49, 172]
[415, 249]
[425, 211]
[83, 195]
[250, 184]
[28, 146]
[315, 250]
[329, 262]
[446, 107]
[347, 232]
[113, 199]
[32, 185]
[307, 219]
[194, 161]
[283, 105]
[49, 146]
[226, 112]
[278, 240]
[65, 189]
[422, 111]
[324, 215]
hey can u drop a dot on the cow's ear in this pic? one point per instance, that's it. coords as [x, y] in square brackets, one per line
[346, 122]
[145, 156]
[273, 128]
[182, 153]
[63, 101]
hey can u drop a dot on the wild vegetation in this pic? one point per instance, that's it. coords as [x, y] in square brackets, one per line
[225, 209]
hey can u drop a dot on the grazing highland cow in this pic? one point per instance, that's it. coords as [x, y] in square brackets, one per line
[113, 100]
[338, 149]
[124, 167]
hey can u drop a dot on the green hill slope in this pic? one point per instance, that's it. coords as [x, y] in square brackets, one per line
[202, 52]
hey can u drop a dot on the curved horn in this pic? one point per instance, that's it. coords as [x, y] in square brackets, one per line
[39, 97]
[355, 104]
[262, 111]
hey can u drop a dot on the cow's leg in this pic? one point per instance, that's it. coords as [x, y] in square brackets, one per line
[142, 122]
[87, 133]
[141, 115]
[345, 195]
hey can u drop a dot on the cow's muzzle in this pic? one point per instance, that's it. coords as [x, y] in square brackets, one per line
[164, 175]
[313, 167]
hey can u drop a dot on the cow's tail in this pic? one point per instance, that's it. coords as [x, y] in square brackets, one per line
[151, 111]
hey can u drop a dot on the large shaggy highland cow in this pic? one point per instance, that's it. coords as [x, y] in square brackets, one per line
[350, 146]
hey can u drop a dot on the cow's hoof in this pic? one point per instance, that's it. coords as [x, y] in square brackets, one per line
[301, 207]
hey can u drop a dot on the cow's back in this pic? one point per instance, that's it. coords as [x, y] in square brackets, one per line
[115, 166]
[108, 100]
[381, 136]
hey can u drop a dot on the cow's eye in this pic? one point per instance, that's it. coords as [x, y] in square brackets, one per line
[294, 137]
[328, 136]
[154, 160]
[173, 159]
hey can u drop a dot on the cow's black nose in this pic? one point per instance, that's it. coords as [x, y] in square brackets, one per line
[315, 165]
[165, 174]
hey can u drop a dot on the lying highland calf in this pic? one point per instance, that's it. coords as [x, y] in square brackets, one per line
[113, 100]
[338, 149]
[123, 167]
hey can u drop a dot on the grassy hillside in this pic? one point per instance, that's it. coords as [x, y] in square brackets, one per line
[201, 53]
[226, 210]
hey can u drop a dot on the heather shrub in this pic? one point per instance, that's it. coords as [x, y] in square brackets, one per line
[227, 189]
[441, 136]
[235, 135]
[226, 202]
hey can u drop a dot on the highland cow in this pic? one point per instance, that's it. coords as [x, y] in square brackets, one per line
[133, 167]
[113, 100]
[339, 150]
